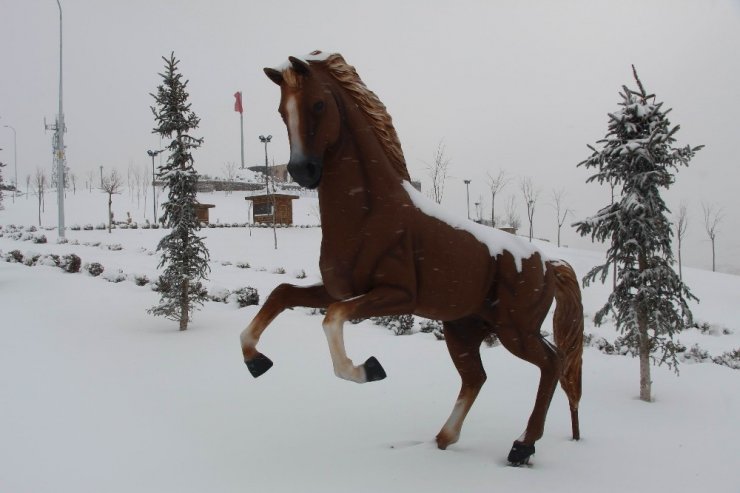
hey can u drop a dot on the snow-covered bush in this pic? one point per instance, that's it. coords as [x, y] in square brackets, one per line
[70, 263]
[730, 359]
[141, 279]
[219, 295]
[94, 269]
[243, 265]
[244, 297]
[101, 226]
[695, 354]
[398, 324]
[88, 227]
[117, 276]
[300, 274]
[114, 247]
[278, 270]
[14, 256]
[38, 238]
[432, 327]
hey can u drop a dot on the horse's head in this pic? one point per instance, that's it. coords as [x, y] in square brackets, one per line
[311, 113]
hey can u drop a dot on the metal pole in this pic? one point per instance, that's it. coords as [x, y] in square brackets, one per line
[60, 137]
[154, 189]
[241, 121]
[467, 192]
[15, 159]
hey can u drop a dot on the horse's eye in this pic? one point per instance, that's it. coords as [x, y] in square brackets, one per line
[318, 106]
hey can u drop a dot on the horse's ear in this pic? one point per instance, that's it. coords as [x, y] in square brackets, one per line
[275, 75]
[299, 65]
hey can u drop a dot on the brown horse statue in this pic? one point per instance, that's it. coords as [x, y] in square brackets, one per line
[387, 250]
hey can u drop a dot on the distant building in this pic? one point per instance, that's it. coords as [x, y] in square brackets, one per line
[262, 208]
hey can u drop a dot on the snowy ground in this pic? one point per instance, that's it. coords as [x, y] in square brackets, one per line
[99, 396]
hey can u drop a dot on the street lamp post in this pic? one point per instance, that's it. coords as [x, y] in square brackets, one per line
[152, 154]
[266, 140]
[467, 192]
[60, 129]
[15, 159]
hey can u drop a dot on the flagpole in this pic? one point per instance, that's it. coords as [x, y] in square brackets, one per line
[241, 121]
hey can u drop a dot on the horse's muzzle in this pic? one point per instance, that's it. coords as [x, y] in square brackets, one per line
[306, 173]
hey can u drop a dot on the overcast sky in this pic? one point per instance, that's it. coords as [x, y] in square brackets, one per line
[515, 85]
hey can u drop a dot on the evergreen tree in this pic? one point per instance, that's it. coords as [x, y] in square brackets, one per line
[649, 301]
[184, 255]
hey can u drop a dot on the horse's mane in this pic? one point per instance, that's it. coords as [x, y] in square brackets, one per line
[368, 102]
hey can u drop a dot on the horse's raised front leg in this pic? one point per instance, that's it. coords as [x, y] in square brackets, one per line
[463, 339]
[381, 301]
[282, 297]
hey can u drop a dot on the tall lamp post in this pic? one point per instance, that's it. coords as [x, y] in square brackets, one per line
[15, 159]
[152, 154]
[266, 140]
[467, 192]
[59, 128]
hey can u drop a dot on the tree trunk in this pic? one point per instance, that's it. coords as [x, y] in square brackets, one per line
[110, 212]
[184, 313]
[559, 226]
[713, 257]
[680, 269]
[644, 344]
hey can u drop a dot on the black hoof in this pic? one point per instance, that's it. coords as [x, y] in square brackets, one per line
[520, 453]
[373, 370]
[259, 365]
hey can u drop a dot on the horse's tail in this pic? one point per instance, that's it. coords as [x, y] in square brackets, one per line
[568, 331]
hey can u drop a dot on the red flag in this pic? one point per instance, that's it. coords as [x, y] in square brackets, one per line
[238, 102]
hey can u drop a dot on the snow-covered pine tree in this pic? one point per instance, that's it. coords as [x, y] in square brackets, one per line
[184, 255]
[649, 301]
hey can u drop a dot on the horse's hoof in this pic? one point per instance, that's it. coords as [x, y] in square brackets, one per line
[520, 453]
[373, 370]
[258, 365]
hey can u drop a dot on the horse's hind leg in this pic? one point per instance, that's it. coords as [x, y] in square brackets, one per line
[282, 297]
[533, 348]
[463, 339]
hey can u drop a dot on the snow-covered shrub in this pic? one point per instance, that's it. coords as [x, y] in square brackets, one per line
[398, 324]
[114, 277]
[226, 263]
[219, 295]
[300, 274]
[244, 297]
[38, 238]
[51, 260]
[88, 227]
[432, 327]
[75, 227]
[134, 226]
[155, 226]
[730, 359]
[278, 270]
[243, 265]
[62, 241]
[101, 226]
[491, 340]
[14, 256]
[94, 269]
[32, 229]
[114, 247]
[140, 279]
[695, 354]
[70, 263]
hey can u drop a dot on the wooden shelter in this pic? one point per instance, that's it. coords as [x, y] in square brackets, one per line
[201, 212]
[262, 208]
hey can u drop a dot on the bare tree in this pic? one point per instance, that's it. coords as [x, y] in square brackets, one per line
[145, 183]
[111, 185]
[438, 173]
[90, 176]
[495, 185]
[682, 223]
[511, 214]
[229, 170]
[40, 184]
[712, 218]
[561, 212]
[530, 194]
[73, 181]
[28, 185]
